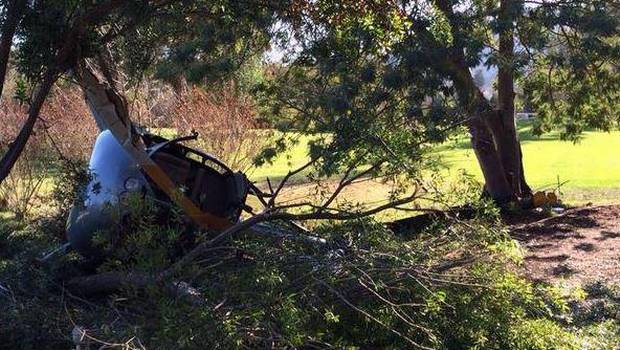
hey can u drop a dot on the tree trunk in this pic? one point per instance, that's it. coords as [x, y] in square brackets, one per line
[17, 146]
[504, 124]
[493, 133]
[482, 140]
[14, 11]
[496, 184]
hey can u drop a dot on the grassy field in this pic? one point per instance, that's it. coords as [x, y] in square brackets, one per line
[588, 170]
[295, 157]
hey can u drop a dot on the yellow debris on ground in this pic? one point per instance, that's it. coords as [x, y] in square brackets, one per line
[541, 198]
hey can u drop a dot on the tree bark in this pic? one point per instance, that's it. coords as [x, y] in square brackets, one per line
[496, 184]
[504, 125]
[493, 133]
[14, 12]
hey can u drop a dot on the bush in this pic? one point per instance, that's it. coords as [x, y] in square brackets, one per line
[68, 125]
[225, 122]
[452, 287]
[65, 127]
[19, 191]
[64, 134]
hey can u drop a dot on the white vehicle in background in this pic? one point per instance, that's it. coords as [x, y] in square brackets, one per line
[525, 115]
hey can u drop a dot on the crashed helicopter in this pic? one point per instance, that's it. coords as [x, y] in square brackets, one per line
[203, 179]
[126, 161]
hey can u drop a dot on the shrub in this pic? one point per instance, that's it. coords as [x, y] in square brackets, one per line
[64, 134]
[65, 127]
[225, 122]
[70, 179]
[450, 287]
[152, 104]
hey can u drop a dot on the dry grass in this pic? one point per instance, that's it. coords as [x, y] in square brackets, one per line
[21, 190]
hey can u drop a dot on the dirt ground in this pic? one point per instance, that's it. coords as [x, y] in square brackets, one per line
[579, 247]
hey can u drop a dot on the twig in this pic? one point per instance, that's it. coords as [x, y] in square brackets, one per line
[287, 177]
[371, 317]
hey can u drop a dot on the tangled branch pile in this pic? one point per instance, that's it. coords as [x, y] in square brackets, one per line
[451, 286]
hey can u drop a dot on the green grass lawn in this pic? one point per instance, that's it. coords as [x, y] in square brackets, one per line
[589, 169]
[295, 157]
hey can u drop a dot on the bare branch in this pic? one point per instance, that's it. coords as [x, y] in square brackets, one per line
[288, 177]
[273, 215]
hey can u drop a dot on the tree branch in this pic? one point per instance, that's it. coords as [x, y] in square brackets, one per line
[65, 58]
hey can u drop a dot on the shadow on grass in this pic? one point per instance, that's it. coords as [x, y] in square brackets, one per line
[524, 128]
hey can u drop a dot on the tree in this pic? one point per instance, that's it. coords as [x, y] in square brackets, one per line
[575, 85]
[409, 51]
[48, 49]
[359, 69]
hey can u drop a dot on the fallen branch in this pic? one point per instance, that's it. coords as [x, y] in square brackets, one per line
[112, 282]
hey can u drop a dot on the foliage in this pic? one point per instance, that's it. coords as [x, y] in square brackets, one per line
[387, 78]
[573, 84]
[342, 83]
[198, 41]
[451, 287]
[69, 180]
